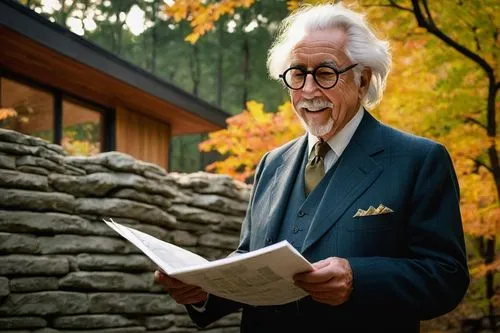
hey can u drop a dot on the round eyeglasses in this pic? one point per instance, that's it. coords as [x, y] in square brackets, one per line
[325, 76]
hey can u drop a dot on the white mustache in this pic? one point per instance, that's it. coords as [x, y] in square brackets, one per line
[314, 104]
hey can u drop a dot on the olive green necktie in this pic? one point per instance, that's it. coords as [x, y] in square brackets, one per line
[315, 168]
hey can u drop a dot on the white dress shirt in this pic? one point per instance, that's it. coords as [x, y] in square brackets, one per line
[339, 141]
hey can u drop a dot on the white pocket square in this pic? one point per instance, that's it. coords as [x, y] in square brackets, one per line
[381, 209]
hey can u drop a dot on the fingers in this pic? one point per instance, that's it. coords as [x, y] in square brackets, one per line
[164, 279]
[324, 271]
[330, 282]
[181, 292]
[189, 296]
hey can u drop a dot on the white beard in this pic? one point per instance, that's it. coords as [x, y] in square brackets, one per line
[318, 129]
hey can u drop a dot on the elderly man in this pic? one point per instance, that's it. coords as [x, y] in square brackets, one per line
[375, 209]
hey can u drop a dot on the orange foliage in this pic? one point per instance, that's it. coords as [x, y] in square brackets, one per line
[202, 16]
[7, 113]
[249, 135]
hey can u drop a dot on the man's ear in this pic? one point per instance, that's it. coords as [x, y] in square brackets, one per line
[364, 82]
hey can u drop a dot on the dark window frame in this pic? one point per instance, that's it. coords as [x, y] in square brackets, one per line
[108, 139]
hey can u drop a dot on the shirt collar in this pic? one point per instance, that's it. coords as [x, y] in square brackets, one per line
[339, 141]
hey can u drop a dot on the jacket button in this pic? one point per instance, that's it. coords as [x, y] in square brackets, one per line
[301, 213]
[269, 240]
[295, 230]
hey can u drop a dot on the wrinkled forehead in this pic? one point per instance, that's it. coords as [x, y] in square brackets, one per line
[320, 47]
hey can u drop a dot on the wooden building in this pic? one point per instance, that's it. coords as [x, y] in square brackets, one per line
[59, 86]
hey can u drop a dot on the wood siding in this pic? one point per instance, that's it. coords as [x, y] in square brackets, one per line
[144, 138]
[46, 66]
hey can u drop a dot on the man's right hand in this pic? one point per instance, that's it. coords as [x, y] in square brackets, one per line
[182, 293]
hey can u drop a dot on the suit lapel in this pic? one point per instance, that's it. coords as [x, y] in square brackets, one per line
[283, 181]
[356, 171]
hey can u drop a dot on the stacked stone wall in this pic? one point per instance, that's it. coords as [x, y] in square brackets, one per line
[63, 270]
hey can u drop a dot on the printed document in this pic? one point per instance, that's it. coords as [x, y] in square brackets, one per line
[260, 277]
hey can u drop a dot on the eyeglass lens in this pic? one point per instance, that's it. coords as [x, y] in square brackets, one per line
[323, 75]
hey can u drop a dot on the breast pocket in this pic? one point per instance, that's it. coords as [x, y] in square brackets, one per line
[374, 222]
[378, 235]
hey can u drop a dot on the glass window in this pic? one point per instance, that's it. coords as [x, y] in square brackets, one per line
[82, 129]
[26, 109]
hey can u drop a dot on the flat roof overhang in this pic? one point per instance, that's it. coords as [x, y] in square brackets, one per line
[34, 47]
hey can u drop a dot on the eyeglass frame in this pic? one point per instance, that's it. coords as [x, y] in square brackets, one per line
[313, 73]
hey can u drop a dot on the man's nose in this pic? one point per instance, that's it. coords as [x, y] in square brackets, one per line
[310, 86]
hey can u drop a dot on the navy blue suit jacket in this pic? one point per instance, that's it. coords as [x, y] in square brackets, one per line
[408, 265]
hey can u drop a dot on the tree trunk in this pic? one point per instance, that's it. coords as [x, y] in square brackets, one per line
[154, 37]
[119, 26]
[182, 162]
[495, 169]
[246, 69]
[220, 62]
[195, 69]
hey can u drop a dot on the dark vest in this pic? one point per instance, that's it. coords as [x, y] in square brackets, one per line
[300, 210]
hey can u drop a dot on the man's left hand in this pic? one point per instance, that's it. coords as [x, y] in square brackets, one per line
[330, 282]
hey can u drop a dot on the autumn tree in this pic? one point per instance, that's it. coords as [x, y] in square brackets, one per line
[458, 68]
[248, 136]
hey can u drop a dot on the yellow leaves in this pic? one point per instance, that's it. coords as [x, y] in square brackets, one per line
[294, 4]
[248, 136]
[480, 270]
[7, 113]
[192, 38]
[256, 111]
[201, 16]
[419, 30]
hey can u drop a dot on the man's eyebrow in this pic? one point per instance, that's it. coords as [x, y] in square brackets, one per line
[298, 65]
[329, 63]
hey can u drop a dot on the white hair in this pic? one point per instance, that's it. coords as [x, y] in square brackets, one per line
[363, 47]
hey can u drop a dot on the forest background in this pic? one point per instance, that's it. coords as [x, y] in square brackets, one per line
[443, 85]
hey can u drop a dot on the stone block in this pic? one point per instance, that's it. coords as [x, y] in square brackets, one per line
[193, 214]
[183, 320]
[106, 281]
[30, 284]
[112, 262]
[219, 241]
[7, 161]
[93, 321]
[135, 195]
[16, 264]
[35, 161]
[159, 322]
[80, 244]
[18, 243]
[21, 138]
[127, 209]
[50, 223]
[44, 303]
[182, 238]
[22, 322]
[4, 286]
[95, 184]
[36, 201]
[130, 303]
[34, 170]
[134, 329]
[220, 204]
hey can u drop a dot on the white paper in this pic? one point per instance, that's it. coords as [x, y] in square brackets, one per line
[261, 277]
